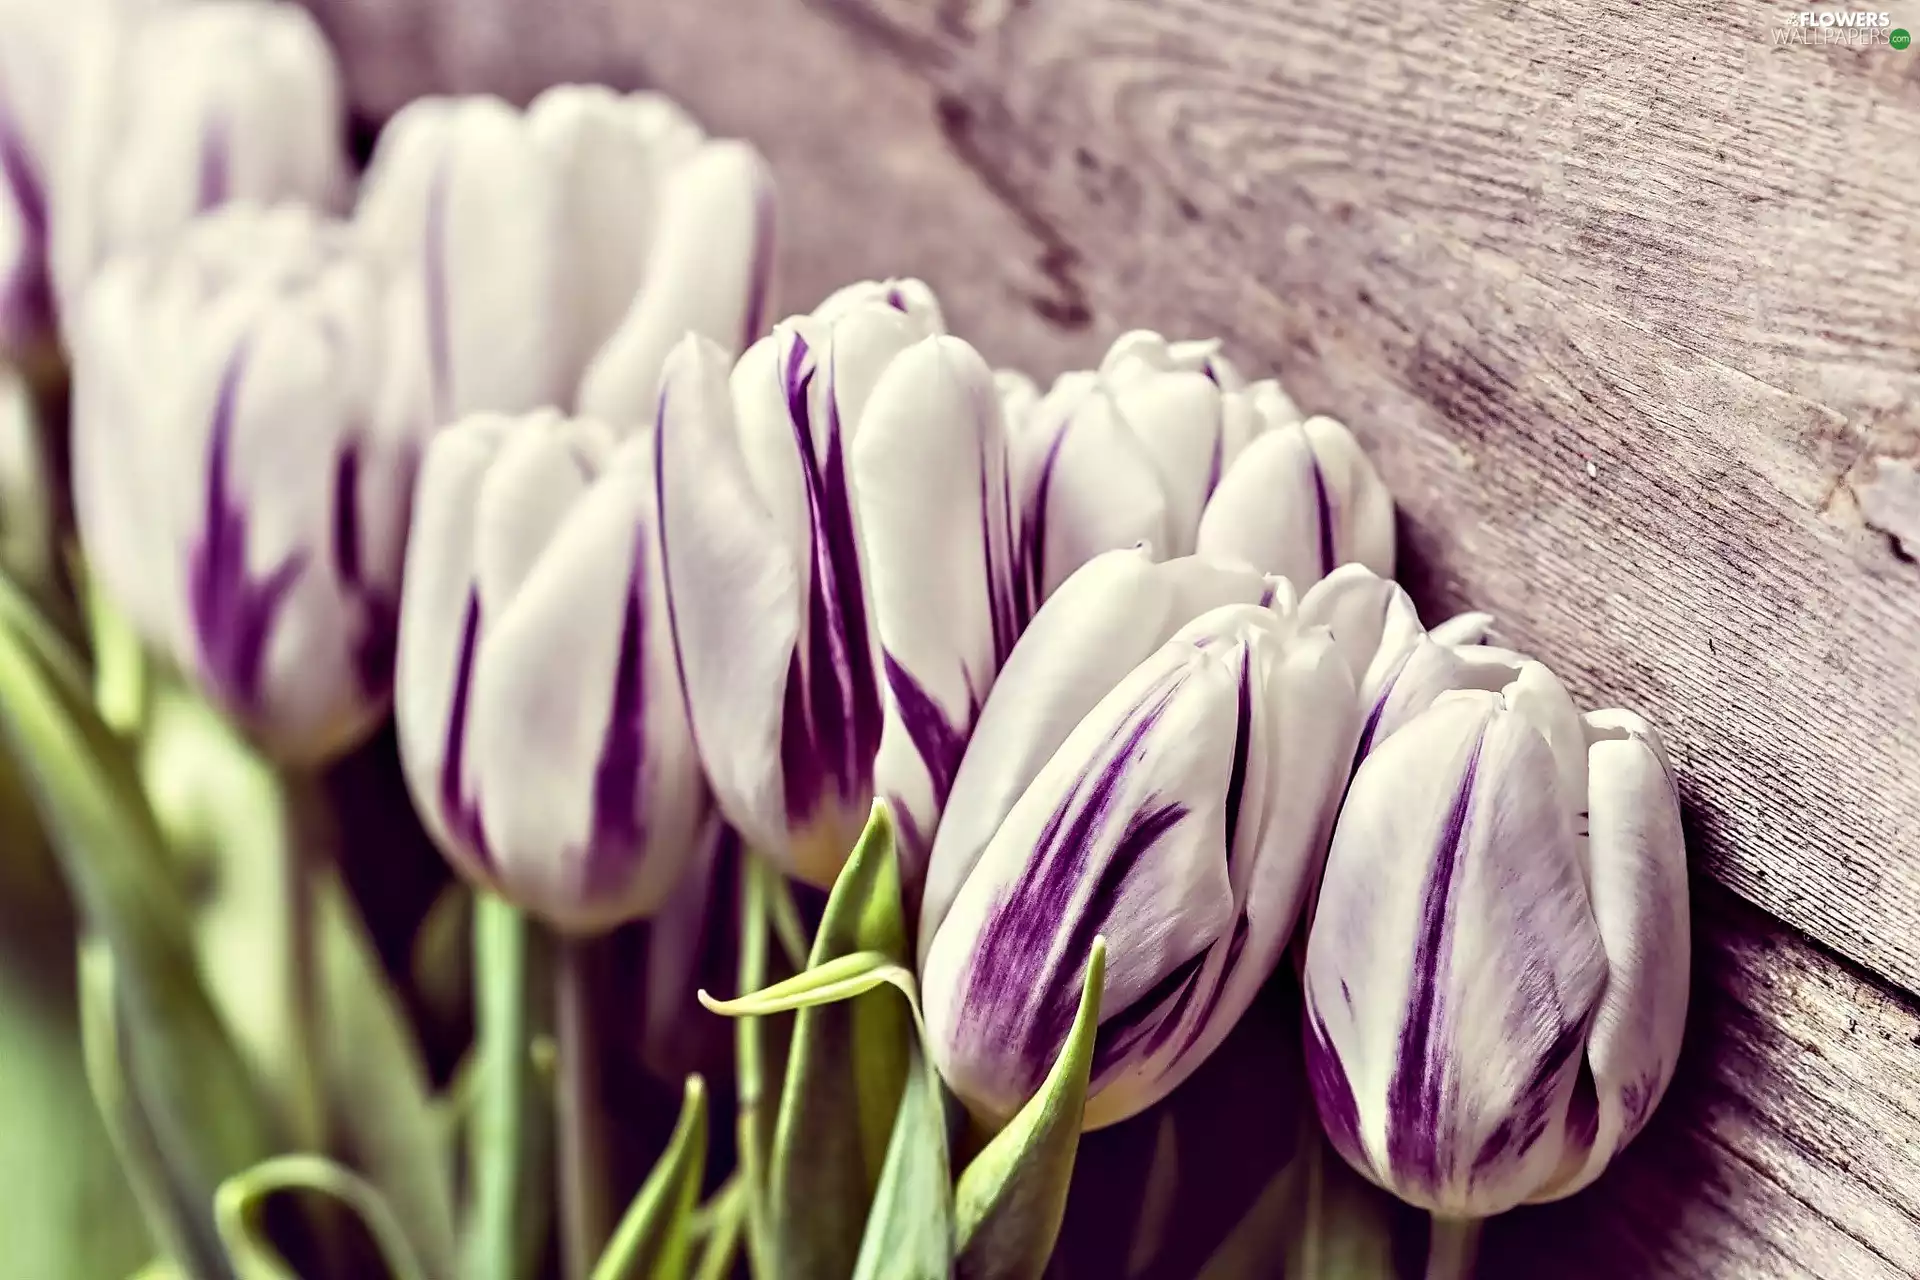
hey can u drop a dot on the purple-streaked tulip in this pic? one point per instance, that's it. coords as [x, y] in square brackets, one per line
[1104, 621]
[182, 108]
[540, 718]
[1496, 977]
[233, 493]
[552, 257]
[846, 567]
[1181, 819]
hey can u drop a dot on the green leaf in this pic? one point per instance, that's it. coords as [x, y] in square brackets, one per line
[909, 1231]
[839, 979]
[723, 1221]
[376, 1082]
[238, 1204]
[847, 1068]
[175, 1226]
[208, 1118]
[1011, 1199]
[507, 1153]
[655, 1239]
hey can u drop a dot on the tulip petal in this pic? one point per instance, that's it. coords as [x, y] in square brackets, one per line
[612, 157]
[931, 474]
[592, 792]
[1085, 485]
[1454, 966]
[708, 273]
[1372, 620]
[460, 193]
[439, 632]
[1638, 879]
[1102, 623]
[733, 593]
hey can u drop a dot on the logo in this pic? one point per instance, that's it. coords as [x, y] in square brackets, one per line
[1855, 28]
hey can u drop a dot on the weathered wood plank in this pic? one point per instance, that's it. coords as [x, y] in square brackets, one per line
[1504, 243]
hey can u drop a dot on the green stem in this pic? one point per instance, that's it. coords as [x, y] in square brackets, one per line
[756, 1114]
[1452, 1248]
[584, 1214]
[501, 1031]
[310, 842]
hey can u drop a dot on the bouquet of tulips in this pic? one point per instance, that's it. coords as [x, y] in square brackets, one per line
[902, 823]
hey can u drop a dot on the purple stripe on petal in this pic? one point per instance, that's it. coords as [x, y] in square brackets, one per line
[833, 718]
[379, 610]
[1415, 1092]
[618, 833]
[1636, 1103]
[939, 743]
[1332, 1091]
[1528, 1113]
[1371, 729]
[461, 815]
[1011, 1002]
[433, 274]
[26, 308]
[1323, 511]
[896, 299]
[216, 162]
[1141, 1028]
[232, 613]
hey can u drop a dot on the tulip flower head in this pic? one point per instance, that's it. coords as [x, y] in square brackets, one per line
[179, 109]
[122, 119]
[233, 492]
[1168, 444]
[1496, 977]
[551, 257]
[1181, 819]
[541, 724]
[844, 563]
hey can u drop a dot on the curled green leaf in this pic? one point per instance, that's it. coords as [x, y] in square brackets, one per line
[839, 979]
[655, 1239]
[238, 1204]
[1011, 1199]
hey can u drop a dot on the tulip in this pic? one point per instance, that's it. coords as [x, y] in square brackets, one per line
[1167, 443]
[541, 725]
[843, 565]
[232, 494]
[1399, 667]
[1181, 819]
[1496, 977]
[552, 257]
[180, 108]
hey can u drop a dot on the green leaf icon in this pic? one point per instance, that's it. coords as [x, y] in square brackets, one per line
[1899, 38]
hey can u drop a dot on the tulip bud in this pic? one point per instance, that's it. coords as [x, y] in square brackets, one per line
[1496, 977]
[182, 108]
[1168, 442]
[552, 256]
[836, 518]
[232, 491]
[1104, 621]
[1181, 819]
[539, 712]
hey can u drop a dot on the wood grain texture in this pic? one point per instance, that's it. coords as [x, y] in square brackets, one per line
[1626, 302]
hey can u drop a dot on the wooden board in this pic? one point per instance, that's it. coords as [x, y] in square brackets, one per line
[1626, 302]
